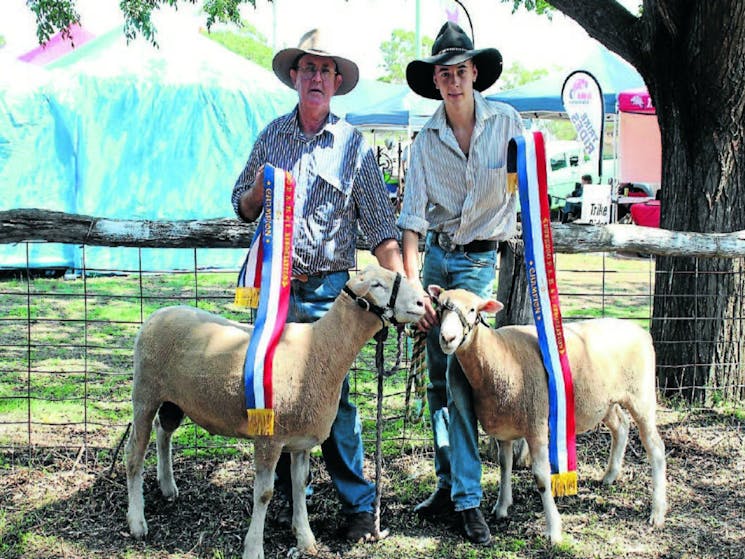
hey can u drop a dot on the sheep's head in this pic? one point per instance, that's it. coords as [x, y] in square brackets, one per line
[459, 312]
[387, 294]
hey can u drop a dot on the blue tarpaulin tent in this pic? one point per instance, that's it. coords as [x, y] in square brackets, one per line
[542, 98]
[368, 93]
[131, 131]
[402, 109]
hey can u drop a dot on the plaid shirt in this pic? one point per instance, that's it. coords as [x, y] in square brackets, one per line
[466, 197]
[338, 187]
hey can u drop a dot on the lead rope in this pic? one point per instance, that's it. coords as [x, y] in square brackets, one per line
[380, 338]
[416, 381]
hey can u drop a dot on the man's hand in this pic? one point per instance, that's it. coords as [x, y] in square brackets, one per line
[411, 267]
[430, 316]
[252, 200]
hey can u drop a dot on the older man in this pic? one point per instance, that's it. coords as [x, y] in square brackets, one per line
[338, 188]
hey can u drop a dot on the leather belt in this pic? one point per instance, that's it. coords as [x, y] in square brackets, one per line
[303, 277]
[444, 241]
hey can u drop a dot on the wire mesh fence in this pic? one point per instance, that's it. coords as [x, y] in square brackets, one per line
[66, 341]
[66, 355]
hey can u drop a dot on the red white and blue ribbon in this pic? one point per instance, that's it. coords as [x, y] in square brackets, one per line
[527, 165]
[267, 274]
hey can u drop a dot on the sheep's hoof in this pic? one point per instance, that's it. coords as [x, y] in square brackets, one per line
[253, 553]
[138, 528]
[657, 520]
[554, 537]
[500, 512]
[609, 478]
[169, 491]
[307, 544]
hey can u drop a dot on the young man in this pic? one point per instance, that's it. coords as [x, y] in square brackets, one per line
[457, 196]
[338, 188]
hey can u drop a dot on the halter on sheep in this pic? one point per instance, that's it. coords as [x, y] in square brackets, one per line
[190, 362]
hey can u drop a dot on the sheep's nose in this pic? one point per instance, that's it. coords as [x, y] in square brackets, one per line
[420, 303]
[447, 338]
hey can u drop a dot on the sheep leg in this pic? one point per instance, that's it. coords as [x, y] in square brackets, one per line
[542, 475]
[300, 467]
[520, 454]
[645, 421]
[166, 422]
[504, 500]
[165, 461]
[142, 424]
[266, 458]
[618, 424]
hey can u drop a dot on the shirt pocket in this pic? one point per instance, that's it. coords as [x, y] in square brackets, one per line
[340, 184]
[328, 199]
[492, 184]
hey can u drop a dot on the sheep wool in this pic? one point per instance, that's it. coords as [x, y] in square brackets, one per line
[527, 160]
[265, 282]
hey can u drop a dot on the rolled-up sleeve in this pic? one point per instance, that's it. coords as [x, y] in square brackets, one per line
[413, 209]
[376, 218]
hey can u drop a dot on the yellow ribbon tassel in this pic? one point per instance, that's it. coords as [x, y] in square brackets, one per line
[564, 484]
[261, 422]
[247, 297]
[511, 183]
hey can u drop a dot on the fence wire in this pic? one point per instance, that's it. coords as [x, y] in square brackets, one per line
[66, 342]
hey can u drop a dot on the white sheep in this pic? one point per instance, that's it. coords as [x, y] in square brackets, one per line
[188, 361]
[612, 363]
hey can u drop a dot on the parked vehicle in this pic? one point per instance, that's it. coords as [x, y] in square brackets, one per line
[566, 162]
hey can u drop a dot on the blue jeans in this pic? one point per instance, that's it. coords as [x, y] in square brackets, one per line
[343, 451]
[449, 395]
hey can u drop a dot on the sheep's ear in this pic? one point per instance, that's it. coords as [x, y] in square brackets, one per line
[360, 283]
[434, 290]
[491, 306]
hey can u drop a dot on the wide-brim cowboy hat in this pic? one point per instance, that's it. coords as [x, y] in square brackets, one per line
[453, 46]
[286, 60]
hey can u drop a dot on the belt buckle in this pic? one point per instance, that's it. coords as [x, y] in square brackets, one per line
[445, 242]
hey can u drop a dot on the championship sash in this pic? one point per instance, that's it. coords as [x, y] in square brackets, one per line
[264, 283]
[527, 166]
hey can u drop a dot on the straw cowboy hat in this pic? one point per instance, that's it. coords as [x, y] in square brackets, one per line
[453, 46]
[310, 43]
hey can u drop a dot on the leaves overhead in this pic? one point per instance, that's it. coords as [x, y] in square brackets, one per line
[398, 51]
[57, 15]
[539, 6]
[53, 16]
[248, 43]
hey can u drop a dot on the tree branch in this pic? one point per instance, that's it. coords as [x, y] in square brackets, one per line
[608, 22]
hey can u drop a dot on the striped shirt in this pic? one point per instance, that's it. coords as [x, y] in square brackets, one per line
[466, 197]
[338, 187]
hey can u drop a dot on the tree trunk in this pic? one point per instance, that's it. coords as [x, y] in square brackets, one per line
[697, 87]
[512, 289]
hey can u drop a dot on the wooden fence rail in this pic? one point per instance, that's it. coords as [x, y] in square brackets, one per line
[58, 227]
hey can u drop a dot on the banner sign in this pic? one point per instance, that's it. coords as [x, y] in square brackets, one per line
[596, 204]
[583, 102]
[636, 101]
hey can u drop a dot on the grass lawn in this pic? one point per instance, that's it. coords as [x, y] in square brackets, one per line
[65, 370]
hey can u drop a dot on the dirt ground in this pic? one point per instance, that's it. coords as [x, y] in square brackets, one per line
[63, 503]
